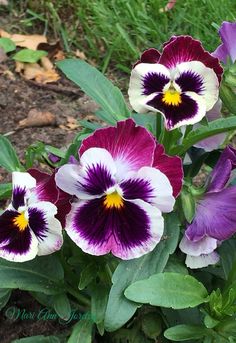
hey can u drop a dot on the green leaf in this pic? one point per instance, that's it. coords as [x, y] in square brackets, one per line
[151, 325]
[7, 44]
[38, 339]
[62, 306]
[82, 332]
[4, 297]
[213, 128]
[228, 97]
[173, 290]
[87, 275]
[29, 56]
[8, 157]
[5, 190]
[119, 309]
[188, 204]
[185, 332]
[227, 252]
[43, 274]
[99, 298]
[174, 265]
[98, 87]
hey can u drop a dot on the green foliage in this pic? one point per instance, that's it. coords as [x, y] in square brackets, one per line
[214, 127]
[5, 190]
[29, 56]
[151, 325]
[185, 332]
[115, 32]
[43, 274]
[98, 87]
[81, 332]
[62, 306]
[7, 44]
[8, 157]
[119, 308]
[173, 290]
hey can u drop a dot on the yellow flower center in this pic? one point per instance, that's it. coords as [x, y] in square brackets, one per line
[172, 97]
[21, 222]
[113, 200]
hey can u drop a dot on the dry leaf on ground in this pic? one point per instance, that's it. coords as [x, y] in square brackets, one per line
[38, 118]
[25, 41]
[72, 124]
[44, 73]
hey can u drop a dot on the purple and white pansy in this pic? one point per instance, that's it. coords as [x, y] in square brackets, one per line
[182, 82]
[121, 193]
[215, 217]
[28, 226]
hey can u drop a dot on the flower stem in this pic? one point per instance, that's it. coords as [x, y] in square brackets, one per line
[78, 296]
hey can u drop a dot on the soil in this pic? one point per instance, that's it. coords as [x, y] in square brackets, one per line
[17, 98]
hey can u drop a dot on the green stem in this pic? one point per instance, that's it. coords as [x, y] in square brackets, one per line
[77, 295]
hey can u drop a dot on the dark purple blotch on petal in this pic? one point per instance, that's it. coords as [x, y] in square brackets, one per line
[154, 82]
[38, 222]
[187, 109]
[190, 81]
[137, 189]
[18, 197]
[98, 179]
[12, 239]
[96, 224]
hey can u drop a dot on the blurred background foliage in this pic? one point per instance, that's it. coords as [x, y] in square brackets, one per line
[112, 33]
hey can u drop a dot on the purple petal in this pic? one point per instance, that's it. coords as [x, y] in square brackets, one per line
[202, 261]
[46, 189]
[215, 216]
[205, 245]
[213, 142]
[146, 81]
[124, 144]
[154, 82]
[149, 56]
[171, 166]
[112, 229]
[37, 222]
[184, 49]
[222, 170]
[22, 183]
[228, 48]
[18, 197]
[46, 227]
[188, 111]
[152, 186]
[90, 179]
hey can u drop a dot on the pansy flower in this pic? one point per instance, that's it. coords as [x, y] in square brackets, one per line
[227, 49]
[123, 183]
[182, 82]
[215, 217]
[28, 226]
[47, 190]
